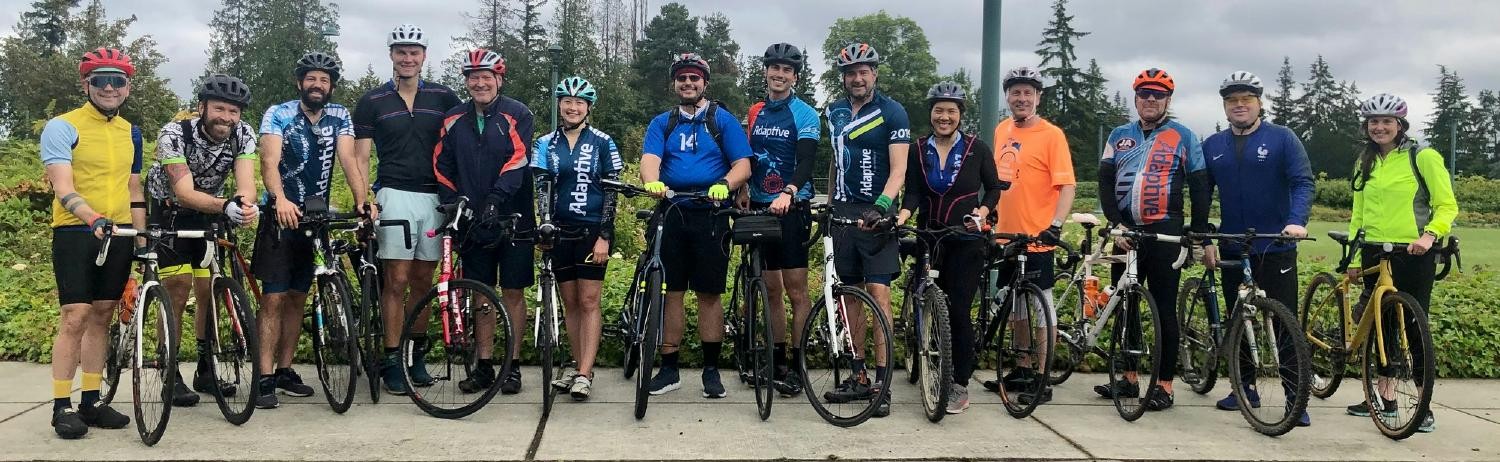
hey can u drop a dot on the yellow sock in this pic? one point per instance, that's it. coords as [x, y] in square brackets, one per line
[91, 381]
[62, 388]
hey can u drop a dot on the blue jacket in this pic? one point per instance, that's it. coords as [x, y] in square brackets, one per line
[483, 166]
[1266, 186]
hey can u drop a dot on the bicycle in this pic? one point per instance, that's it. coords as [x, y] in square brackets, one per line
[1391, 326]
[1017, 318]
[830, 340]
[464, 307]
[361, 259]
[547, 329]
[1074, 285]
[749, 325]
[923, 325]
[234, 342]
[330, 323]
[1258, 339]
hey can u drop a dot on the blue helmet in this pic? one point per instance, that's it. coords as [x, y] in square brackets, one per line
[576, 87]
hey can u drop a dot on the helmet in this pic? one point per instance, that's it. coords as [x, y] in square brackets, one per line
[406, 34]
[318, 61]
[482, 59]
[1154, 77]
[946, 91]
[858, 53]
[1023, 74]
[783, 53]
[687, 60]
[576, 87]
[1384, 104]
[1241, 81]
[225, 88]
[105, 59]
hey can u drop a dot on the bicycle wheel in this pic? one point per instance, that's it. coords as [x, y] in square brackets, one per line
[1398, 387]
[836, 380]
[934, 352]
[1067, 297]
[737, 327]
[432, 346]
[1268, 358]
[762, 349]
[1132, 351]
[547, 343]
[233, 346]
[334, 341]
[371, 329]
[1322, 318]
[629, 323]
[1200, 366]
[154, 367]
[906, 328]
[1023, 348]
[117, 357]
[650, 308]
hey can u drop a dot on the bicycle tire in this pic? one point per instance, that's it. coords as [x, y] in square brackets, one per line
[547, 343]
[762, 350]
[1068, 304]
[234, 346]
[1275, 325]
[372, 330]
[1322, 317]
[816, 340]
[651, 313]
[452, 361]
[333, 341]
[1416, 319]
[629, 324]
[934, 353]
[155, 358]
[117, 357]
[737, 326]
[1010, 348]
[1200, 368]
[1130, 351]
[906, 328]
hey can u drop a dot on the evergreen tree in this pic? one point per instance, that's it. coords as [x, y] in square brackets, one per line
[46, 25]
[1331, 111]
[671, 32]
[1076, 101]
[261, 40]
[907, 68]
[1283, 108]
[723, 54]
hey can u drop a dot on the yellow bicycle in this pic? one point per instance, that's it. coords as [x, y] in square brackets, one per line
[1389, 328]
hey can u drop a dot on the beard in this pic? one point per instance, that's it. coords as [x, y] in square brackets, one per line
[319, 102]
[213, 129]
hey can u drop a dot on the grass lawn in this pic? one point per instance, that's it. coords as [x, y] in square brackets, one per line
[1480, 246]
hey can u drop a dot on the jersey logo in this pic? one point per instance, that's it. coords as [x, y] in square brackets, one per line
[1154, 182]
[1006, 165]
[1261, 153]
[1125, 144]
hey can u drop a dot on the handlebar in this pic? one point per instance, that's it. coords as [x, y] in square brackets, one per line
[153, 234]
[1449, 257]
[741, 213]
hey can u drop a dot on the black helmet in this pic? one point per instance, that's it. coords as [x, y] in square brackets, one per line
[783, 53]
[225, 88]
[319, 61]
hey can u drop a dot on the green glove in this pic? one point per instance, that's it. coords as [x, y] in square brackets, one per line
[719, 191]
[656, 187]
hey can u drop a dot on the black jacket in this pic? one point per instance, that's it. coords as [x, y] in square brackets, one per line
[977, 184]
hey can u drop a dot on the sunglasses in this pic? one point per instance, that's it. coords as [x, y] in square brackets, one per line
[109, 80]
[1240, 100]
[689, 78]
[1152, 94]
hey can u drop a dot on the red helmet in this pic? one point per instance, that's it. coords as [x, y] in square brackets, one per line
[105, 58]
[482, 59]
[1156, 78]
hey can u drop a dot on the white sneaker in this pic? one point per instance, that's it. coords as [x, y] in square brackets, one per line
[566, 381]
[582, 386]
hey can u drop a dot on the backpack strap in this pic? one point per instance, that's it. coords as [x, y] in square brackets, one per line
[710, 118]
[752, 115]
[1412, 157]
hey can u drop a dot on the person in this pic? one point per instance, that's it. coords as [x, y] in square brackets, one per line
[694, 147]
[401, 119]
[1265, 183]
[871, 136]
[1146, 164]
[299, 140]
[1033, 155]
[570, 163]
[961, 189]
[93, 161]
[194, 158]
[1400, 197]
[784, 133]
[483, 154]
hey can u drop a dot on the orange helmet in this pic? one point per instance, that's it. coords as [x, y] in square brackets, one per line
[1154, 78]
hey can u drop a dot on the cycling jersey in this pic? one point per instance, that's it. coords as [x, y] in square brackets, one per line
[481, 164]
[307, 148]
[1037, 163]
[776, 128]
[1390, 208]
[942, 193]
[687, 164]
[404, 138]
[210, 162]
[103, 151]
[861, 146]
[1265, 185]
[1150, 171]
[576, 171]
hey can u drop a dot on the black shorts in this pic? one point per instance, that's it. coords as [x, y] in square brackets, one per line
[78, 279]
[178, 255]
[695, 250]
[1039, 270]
[796, 227]
[860, 256]
[283, 259]
[511, 263]
[569, 255]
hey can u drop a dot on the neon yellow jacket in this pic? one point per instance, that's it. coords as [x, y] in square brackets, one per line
[1390, 207]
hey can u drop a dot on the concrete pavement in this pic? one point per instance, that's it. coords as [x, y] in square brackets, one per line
[683, 426]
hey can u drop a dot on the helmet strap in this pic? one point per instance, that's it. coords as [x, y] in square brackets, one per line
[108, 114]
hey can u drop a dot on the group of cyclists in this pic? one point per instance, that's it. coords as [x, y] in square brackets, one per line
[434, 147]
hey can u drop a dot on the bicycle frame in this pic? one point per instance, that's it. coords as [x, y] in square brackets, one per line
[448, 307]
[1355, 334]
[1090, 331]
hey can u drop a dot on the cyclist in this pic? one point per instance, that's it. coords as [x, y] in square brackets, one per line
[784, 133]
[482, 154]
[961, 189]
[1033, 155]
[1146, 164]
[1398, 198]
[1265, 182]
[696, 147]
[871, 136]
[299, 140]
[194, 158]
[101, 192]
[569, 165]
[401, 120]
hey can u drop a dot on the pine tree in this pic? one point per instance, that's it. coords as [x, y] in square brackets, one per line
[723, 55]
[46, 25]
[1331, 109]
[1454, 111]
[671, 32]
[1283, 108]
[1488, 128]
[1077, 99]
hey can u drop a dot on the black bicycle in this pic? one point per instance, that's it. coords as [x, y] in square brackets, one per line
[361, 261]
[335, 339]
[923, 325]
[1018, 322]
[748, 322]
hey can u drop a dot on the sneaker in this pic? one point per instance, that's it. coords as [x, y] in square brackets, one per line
[267, 398]
[390, 376]
[1158, 399]
[851, 389]
[1019, 378]
[1428, 424]
[204, 383]
[565, 382]
[1027, 398]
[1231, 403]
[884, 408]
[68, 424]
[511, 384]
[713, 388]
[958, 398]
[418, 368]
[1362, 409]
[582, 386]
[182, 396]
[789, 385]
[1118, 388]
[103, 416]
[291, 384]
[992, 386]
[1305, 420]
[481, 379]
[666, 379]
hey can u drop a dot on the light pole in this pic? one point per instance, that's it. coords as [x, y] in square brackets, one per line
[1101, 115]
[990, 100]
[555, 52]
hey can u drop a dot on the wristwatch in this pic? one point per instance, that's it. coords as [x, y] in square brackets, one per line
[789, 190]
[1057, 223]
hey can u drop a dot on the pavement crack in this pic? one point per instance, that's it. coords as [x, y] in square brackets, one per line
[18, 414]
[1070, 441]
[536, 438]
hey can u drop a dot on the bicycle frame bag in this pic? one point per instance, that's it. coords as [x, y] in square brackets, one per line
[756, 230]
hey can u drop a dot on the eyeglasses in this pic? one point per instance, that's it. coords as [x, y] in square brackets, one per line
[1239, 100]
[1152, 94]
[109, 80]
[688, 78]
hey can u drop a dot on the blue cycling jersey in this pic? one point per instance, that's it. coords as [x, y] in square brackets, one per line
[861, 146]
[576, 171]
[773, 139]
[686, 163]
[1151, 170]
[307, 148]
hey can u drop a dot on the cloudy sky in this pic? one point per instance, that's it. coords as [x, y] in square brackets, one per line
[1384, 45]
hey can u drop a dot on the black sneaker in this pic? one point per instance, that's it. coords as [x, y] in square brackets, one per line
[267, 398]
[182, 396]
[204, 383]
[512, 382]
[1042, 398]
[1158, 399]
[788, 384]
[481, 379]
[291, 384]
[103, 416]
[1019, 378]
[851, 389]
[992, 385]
[884, 408]
[1118, 388]
[68, 424]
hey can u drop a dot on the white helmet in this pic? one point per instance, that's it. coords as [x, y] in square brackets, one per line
[406, 34]
[1023, 74]
[1241, 81]
[1384, 104]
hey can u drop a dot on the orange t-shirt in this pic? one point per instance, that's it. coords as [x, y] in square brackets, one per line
[1036, 162]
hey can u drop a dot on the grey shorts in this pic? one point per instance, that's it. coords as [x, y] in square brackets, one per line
[418, 208]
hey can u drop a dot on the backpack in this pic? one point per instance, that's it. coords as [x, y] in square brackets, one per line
[1421, 182]
[711, 119]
